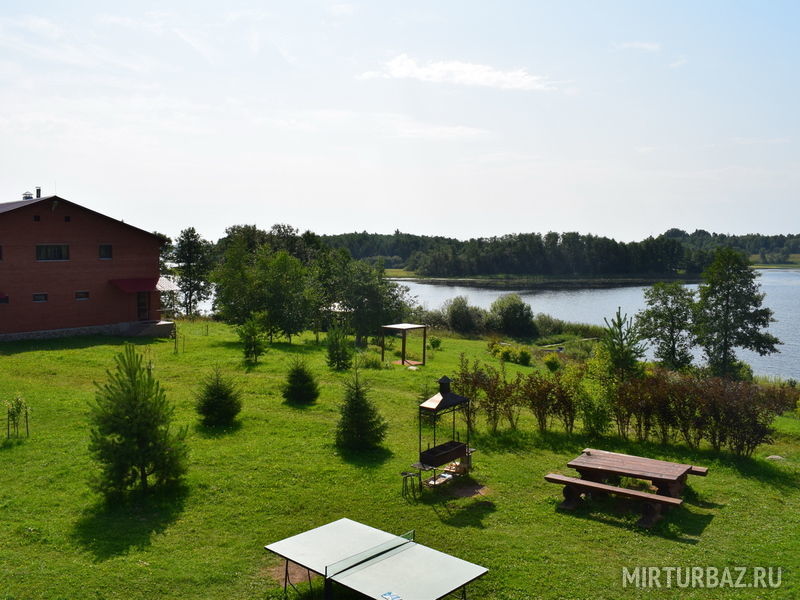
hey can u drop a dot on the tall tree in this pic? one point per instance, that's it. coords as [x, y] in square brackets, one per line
[667, 322]
[281, 282]
[130, 429]
[193, 258]
[236, 298]
[370, 299]
[729, 314]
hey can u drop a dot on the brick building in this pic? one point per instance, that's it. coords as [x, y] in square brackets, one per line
[66, 270]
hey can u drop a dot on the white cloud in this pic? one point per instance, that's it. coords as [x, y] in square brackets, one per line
[679, 62]
[642, 46]
[460, 73]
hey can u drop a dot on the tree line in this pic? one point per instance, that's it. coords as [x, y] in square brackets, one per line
[568, 254]
[283, 282]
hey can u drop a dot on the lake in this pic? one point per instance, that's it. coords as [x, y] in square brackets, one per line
[782, 289]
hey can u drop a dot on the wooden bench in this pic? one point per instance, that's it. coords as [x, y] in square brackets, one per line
[653, 504]
[701, 471]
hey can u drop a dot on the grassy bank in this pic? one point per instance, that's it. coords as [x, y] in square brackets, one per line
[277, 474]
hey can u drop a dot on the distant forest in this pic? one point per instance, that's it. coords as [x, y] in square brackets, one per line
[673, 253]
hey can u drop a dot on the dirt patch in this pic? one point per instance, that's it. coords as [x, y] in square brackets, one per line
[470, 490]
[297, 574]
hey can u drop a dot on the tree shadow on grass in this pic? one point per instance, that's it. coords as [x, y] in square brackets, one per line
[70, 343]
[210, 432]
[515, 440]
[679, 524]
[366, 459]
[445, 503]
[8, 443]
[109, 529]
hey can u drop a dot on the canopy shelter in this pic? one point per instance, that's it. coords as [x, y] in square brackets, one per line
[377, 564]
[403, 329]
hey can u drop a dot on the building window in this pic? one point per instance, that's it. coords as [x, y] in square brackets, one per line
[40, 297]
[52, 252]
[82, 295]
[105, 251]
[36, 218]
[3, 299]
[67, 219]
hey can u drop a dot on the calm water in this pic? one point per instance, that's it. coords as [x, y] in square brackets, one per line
[782, 289]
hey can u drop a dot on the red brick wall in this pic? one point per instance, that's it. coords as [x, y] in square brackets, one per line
[135, 254]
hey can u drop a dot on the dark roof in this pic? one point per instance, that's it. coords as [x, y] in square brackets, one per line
[439, 402]
[9, 206]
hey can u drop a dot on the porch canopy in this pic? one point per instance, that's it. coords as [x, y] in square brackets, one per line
[403, 329]
[144, 284]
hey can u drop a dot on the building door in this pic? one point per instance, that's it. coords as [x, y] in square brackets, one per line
[143, 306]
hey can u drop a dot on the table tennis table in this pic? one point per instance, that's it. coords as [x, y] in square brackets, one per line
[377, 564]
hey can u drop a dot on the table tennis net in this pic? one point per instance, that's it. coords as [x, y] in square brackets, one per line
[361, 557]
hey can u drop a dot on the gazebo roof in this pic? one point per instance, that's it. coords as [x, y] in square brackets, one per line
[403, 326]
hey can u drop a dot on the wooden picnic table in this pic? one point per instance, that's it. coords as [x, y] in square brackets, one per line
[668, 477]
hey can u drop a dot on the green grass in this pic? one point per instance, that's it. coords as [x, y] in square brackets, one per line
[277, 474]
[794, 262]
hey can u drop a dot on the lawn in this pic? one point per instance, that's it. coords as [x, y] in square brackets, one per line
[278, 474]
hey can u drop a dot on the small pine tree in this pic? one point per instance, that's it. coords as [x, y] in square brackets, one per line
[219, 400]
[130, 430]
[251, 335]
[340, 354]
[360, 427]
[300, 386]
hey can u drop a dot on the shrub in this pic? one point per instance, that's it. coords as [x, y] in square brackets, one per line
[369, 361]
[463, 318]
[251, 335]
[535, 393]
[513, 317]
[130, 432]
[219, 400]
[435, 342]
[524, 357]
[17, 409]
[552, 362]
[360, 426]
[300, 386]
[340, 353]
[468, 382]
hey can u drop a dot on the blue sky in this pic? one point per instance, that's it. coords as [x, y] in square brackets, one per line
[455, 118]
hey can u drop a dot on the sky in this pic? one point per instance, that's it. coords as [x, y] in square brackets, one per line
[456, 118]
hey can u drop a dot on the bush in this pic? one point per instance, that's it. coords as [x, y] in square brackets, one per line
[369, 361]
[509, 352]
[300, 386]
[513, 317]
[435, 342]
[17, 410]
[360, 426]
[251, 335]
[340, 353]
[130, 432]
[219, 400]
[524, 357]
[463, 318]
[552, 362]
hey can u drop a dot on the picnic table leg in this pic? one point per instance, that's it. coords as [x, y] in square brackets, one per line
[572, 497]
[673, 489]
[597, 478]
[651, 514]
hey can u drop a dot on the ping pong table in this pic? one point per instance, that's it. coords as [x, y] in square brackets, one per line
[377, 564]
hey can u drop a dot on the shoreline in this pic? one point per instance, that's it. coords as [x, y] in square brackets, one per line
[542, 283]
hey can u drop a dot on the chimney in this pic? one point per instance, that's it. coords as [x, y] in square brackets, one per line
[444, 386]
[38, 192]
